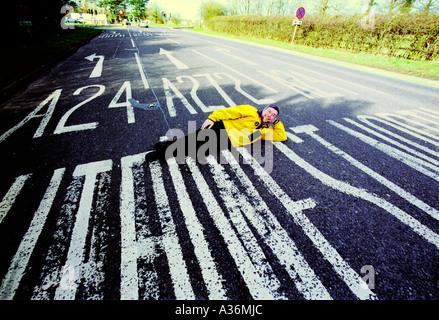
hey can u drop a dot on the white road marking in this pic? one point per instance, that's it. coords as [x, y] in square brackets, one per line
[62, 127]
[413, 114]
[227, 52]
[169, 98]
[295, 208]
[236, 205]
[21, 258]
[287, 84]
[243, 209]
[390, 116]
[142, 71]
[126, 87]
[366, 119]
[128, 265]
[413, 162]
[263, 101]
[430, 112]
[180, 65]
[169, 239]
[223, 94]
[195, 97]
[234, 70]
[415, 132]
[348, 189]
[80, 229]
[172, 40]
[211, 277]
[248, 271]
[10, 196]
[310, 130]
[53, 99]
[396, 143]
[309, 70]
[276, 237]
[97, 71]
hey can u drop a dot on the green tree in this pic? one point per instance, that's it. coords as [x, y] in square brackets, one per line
[175, 19]
[404, 6]
[210, 9]
[139, 8]
[154, 12]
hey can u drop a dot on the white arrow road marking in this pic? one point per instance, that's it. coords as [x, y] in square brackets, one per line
[178, 63]
[97, 71]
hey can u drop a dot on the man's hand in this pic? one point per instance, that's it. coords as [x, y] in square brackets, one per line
[207, 124]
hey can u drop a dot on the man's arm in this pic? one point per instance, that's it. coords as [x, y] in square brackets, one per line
[230, 113]
[225, 114]
[276, 134]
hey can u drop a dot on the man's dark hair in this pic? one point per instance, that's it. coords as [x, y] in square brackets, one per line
[274, 107]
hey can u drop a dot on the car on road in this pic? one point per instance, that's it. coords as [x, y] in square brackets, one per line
[143, 24]
[68, 20]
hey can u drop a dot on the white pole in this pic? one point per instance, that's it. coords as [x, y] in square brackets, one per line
[294, 34]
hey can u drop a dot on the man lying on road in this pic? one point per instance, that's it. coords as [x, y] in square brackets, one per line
[242, 125]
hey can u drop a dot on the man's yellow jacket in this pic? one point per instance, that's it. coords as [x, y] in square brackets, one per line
[243, 123]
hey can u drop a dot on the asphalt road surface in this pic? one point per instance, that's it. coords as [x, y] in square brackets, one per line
[347, 208]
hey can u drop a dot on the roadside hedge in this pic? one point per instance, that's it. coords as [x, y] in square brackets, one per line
[410, 36]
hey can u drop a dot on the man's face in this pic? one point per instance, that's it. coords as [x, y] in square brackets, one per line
[269, 115]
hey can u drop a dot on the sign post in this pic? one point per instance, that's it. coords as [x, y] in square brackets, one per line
[300, 13]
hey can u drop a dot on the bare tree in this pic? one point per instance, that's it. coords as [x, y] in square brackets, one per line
[403, 5]
[233, 7]
[407, 5]
[270, 7]
[281, 6]
[427, 6]
[258, 7]
[393, 4]
[324, 6]
[369, 7]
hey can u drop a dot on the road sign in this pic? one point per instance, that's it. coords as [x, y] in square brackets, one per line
[300, 13]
